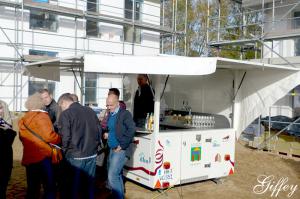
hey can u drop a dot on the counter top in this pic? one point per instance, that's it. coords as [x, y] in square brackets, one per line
[176, 125]
[143, 130]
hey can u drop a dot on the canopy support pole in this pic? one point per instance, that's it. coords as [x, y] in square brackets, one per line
[157, 103]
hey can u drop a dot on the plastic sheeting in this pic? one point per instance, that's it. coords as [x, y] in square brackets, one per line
[259, 91]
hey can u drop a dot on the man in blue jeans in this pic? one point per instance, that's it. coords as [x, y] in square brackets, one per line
[81, 134]
[121, 130]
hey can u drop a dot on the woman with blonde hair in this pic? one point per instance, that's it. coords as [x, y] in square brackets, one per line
[35, 126]
[5, 114]
[7, 136]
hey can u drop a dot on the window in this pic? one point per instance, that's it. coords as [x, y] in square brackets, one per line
[128, 9]
[297, 20]
[35, 86]
[296, 26]
[296, 94]
[41, 1]
[43, 20]
[297, 47]
[91, 89]
[132, 34]
[42, 53]
[92, 28]
[92, 6]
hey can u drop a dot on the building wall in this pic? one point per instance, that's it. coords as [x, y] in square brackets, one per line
[64, 43]
[284, 24]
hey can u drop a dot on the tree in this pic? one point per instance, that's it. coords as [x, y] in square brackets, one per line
[174, 17]
[230, 26]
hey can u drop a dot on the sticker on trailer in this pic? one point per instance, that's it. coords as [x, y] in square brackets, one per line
[226, 138]
[159, 157]
[143, 159]
[218, 158]
[195, 154]
[215, 143]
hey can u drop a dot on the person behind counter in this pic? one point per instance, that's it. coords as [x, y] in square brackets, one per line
[143, 100]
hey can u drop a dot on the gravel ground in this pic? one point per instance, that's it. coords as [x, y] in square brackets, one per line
[250, 165]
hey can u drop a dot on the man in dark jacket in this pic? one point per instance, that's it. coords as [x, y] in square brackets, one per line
[50, 104]
[81, 134]
[143, 101]
[121, 132]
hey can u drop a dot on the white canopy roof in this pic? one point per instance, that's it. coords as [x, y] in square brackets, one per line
[159, 65]
[168, 65]
[162, 64]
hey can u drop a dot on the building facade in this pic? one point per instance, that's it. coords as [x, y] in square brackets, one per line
[37, 30]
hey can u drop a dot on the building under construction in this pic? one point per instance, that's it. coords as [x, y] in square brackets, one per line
[34, 31]
[38, 30]
[267, 29]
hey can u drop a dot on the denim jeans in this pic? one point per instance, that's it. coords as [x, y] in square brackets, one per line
[115, 173]
[38, 173]
[82, 177]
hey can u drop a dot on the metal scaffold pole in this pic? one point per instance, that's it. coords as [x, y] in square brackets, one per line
[185, 28]
[219, 19]
[175, 28]
[163, 24]
[133, 27]
[207, 23]
[173, 25]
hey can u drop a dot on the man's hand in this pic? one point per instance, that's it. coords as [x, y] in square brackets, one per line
[117, 149]
[105, 136]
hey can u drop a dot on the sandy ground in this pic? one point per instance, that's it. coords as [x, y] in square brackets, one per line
[249, 166]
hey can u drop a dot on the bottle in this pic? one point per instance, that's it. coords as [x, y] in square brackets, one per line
[213, 122]
[150, 122]
[146, 121]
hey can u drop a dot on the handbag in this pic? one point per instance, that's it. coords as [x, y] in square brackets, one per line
[56, 153]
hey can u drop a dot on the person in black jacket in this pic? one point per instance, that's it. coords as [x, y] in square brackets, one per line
[7, 136]
[143, 101]
[50, 106]
[80, 130]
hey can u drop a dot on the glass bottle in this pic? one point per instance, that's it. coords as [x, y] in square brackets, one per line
[147, 121]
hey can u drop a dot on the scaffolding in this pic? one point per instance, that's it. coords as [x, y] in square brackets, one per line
[255, 26]
[271, 30]
[77, 14]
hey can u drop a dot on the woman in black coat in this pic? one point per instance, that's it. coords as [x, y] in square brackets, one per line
[7, 136]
